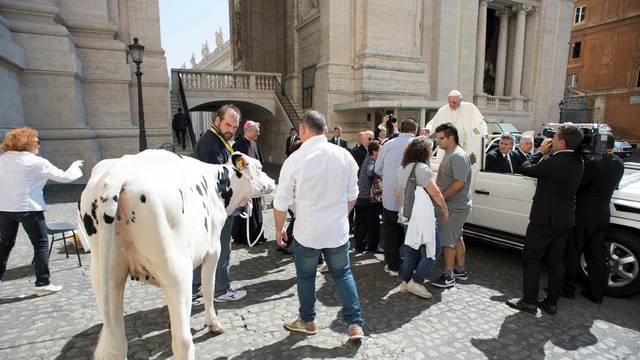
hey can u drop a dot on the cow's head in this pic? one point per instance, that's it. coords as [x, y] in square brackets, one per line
[246, 180]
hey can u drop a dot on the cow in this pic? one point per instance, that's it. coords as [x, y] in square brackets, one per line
[154, 217]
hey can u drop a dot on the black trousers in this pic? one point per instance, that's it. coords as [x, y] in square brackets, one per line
[540, 240]
[35, 226]
[368, 226]
[180, 134]
[393, 239]
[591, 242]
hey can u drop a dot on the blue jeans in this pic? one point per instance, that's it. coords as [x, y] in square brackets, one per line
[337, 260]
[222, 281]
[416, 264]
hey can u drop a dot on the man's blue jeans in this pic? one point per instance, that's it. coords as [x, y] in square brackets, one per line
[337, 260]
[416, 264]
[223, 283]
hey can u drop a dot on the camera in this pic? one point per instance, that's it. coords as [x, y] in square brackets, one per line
[594, 140]
[392, 119]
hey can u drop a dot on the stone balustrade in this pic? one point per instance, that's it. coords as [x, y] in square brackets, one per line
[502, 103]
[231, 80]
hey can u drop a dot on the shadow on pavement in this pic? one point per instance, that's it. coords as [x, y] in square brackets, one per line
[155, 321]
[19, 272]
[12, 300]
[381, 295]
[62, 193]
[347, 350]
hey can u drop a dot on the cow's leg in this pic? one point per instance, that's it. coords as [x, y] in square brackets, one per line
[208, 275]
[177, 291]
[112, 343]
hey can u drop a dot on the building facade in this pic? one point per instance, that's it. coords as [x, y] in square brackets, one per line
[358, 60]
[217, 59]
[64, 71]
[604, 63]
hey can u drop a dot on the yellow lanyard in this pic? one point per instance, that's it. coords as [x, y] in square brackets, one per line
[226, 144]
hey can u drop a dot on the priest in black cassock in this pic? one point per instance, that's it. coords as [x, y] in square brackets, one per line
[247, 144]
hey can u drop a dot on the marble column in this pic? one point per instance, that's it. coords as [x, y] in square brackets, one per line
[481, 41]
[501, 64]
[518, 53]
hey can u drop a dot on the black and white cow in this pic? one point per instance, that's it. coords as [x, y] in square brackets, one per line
[155, 216]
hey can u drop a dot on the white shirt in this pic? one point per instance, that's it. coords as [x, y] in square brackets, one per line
[22, 177]
[318, 180]
[422, 225]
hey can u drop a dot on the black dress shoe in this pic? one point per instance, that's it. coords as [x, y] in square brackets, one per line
[547, 307]
[520, 305]
[589, 295]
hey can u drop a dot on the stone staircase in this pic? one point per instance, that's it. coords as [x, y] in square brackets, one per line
[175, 105]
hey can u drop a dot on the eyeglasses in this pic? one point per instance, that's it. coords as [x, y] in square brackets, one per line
[442, 137]
[38, 142]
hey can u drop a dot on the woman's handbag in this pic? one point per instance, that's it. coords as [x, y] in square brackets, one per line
[375, 193]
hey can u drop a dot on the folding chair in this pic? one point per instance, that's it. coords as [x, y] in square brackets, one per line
[63, 228]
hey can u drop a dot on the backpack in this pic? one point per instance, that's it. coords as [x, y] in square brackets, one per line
[409, 194]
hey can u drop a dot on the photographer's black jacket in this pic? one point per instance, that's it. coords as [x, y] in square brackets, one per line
[600, 179]
[554, 203]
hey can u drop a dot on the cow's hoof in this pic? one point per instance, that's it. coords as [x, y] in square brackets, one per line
[216, 328]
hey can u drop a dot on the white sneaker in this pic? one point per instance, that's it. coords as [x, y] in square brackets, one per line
[231, 295]
[47, 289]
[418, 289]
[391, 272]
[403, 287]
[324, 268]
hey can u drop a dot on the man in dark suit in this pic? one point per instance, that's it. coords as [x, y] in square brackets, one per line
[293, 137]
[337, 137]
[523, 152]
[552, 216]
[179, 125]
[601, 178]
[359, 151]
[500, 159]
[247, 144]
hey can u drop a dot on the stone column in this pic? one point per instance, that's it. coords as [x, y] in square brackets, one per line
[480, 46]
[501, 65]
[518, 54]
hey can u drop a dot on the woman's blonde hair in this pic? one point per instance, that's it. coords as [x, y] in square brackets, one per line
[20, 139]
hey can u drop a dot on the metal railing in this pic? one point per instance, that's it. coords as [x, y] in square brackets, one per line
[290, 110]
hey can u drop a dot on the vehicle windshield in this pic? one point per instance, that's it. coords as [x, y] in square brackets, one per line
[509, 128]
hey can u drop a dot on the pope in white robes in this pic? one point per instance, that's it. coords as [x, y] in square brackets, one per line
[466, 117]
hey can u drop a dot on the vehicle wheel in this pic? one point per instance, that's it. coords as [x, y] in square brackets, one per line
[623, 262]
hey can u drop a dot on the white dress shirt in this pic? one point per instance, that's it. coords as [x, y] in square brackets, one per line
[318, 180]
[22, 177]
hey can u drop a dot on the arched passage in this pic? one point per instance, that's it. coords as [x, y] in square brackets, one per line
[202, 114]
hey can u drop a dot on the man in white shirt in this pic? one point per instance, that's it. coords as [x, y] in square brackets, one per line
[319, 181]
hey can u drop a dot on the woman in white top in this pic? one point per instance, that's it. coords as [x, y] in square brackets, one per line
[421, 246]
[23, 174]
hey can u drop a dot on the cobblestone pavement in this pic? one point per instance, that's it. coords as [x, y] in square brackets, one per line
[468, 322]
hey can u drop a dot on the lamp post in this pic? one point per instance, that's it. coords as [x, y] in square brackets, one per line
[137, 52]
[561, 106]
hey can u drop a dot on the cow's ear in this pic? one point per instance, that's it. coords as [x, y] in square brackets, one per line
[238, 161]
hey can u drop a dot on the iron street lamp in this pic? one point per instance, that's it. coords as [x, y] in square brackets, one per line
[561, 106]
[137, 52]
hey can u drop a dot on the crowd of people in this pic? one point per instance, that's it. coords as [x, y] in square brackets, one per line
[331, 191]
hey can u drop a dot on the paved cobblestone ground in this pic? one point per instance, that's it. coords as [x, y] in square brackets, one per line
[468, 322]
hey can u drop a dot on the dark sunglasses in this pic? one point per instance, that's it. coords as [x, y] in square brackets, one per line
[38, 142]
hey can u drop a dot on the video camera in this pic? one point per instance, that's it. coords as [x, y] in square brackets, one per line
[596, 139]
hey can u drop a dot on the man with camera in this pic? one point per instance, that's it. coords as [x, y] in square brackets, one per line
[552, 216]
[601, 178]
